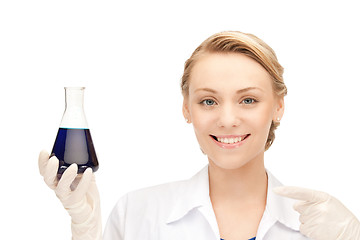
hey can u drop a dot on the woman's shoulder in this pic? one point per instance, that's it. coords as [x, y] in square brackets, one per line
[158, 192]
[162, 197]
[153, 203]
[157, 196]
[170, 190]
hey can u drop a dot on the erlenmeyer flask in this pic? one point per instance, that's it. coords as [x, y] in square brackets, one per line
[73, 142]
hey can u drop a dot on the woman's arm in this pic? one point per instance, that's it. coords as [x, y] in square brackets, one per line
[78, 194]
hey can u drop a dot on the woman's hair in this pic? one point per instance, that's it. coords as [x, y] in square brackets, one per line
[249, 45]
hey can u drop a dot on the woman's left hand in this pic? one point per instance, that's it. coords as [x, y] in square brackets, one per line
[322, 216]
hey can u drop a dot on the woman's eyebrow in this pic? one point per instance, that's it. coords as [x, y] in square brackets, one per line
[238, 91]
[206, 90]
[248, 89]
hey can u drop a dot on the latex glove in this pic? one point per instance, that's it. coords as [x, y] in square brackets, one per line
[322, 216]
[79, 195]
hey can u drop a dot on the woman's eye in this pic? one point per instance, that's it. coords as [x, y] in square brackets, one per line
[249, 100]
[208, 102]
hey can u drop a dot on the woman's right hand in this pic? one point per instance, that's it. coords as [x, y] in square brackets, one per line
[79, 195]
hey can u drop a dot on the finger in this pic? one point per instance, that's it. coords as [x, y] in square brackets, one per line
[84, 184]
[307, 230]
[308, 212]
[63, 188]
[311, 230]
[306, 218]
[42, 162]
[50, 173]
[301, 193]
[302, 206]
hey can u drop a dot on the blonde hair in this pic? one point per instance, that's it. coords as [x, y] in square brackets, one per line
[249, 45]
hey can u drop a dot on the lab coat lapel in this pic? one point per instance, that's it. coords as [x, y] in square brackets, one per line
[281, 208]
[278, 209]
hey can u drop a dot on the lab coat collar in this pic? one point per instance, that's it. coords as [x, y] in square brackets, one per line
[194, 193]
[281, 208]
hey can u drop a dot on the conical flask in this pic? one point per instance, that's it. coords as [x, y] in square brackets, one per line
[73, 143]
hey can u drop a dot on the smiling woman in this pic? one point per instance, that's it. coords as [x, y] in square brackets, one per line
[234, 97]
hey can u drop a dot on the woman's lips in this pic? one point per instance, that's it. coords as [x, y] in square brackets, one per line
[229, 141]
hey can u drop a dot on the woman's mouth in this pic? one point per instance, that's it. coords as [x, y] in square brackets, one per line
[229, 141]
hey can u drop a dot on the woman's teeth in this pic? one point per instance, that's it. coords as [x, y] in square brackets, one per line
[229, 140]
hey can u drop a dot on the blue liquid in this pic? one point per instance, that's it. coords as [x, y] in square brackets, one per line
[75, 146]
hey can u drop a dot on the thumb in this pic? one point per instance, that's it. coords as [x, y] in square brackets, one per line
[301, 193]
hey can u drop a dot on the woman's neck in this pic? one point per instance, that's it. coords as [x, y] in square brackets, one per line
[243, 185]
[238, 198]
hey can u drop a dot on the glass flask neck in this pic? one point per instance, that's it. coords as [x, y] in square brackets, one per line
[74, 97]
[74, 115]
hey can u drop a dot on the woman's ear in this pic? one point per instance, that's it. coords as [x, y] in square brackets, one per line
[185, 110]
[279, 109]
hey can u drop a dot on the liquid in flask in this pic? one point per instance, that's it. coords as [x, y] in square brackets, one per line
[73, 143]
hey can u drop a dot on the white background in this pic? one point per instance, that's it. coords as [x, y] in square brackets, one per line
[129, 55]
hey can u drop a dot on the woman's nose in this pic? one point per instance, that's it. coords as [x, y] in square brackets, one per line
[228, 116]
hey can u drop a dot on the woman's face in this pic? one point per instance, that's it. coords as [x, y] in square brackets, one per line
[231, 104]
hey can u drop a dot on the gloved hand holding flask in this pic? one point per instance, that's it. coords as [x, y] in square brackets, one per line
[322, 216]
[69, 171]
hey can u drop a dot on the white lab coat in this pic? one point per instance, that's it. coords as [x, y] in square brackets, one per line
[182, 211]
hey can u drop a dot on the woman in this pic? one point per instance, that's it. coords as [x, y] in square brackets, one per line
[234, 96]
